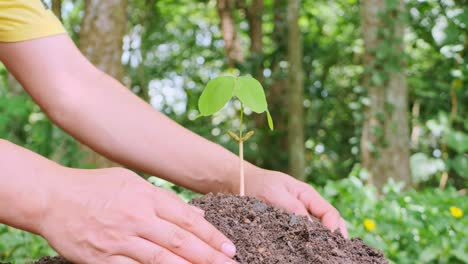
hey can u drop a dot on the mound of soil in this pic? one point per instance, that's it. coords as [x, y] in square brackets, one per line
[267, 235]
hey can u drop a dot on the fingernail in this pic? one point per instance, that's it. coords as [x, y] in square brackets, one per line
[228, 249]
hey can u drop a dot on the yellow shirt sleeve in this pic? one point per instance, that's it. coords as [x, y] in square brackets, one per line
[27, 19]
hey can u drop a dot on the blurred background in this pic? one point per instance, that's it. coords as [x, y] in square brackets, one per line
[368, 97]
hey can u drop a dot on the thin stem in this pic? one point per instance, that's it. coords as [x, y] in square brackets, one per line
[241, 120]
[241, 156]
[241, 152]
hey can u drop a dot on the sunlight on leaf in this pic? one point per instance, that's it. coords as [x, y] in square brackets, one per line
[250, 93]
[216, 94]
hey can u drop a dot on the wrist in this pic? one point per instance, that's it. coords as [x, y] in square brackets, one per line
[65, 188]
[25, 201]
[47, 187]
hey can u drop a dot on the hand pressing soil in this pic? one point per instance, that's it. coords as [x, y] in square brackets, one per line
[267, 235]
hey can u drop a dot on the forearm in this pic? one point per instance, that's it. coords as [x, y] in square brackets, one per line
[121, 126]
[105, 115]
[24, 180]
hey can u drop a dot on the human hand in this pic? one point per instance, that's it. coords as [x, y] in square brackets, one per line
[295, 196]
[113, 216]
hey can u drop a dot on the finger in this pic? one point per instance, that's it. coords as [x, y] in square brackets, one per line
[183, 215]
[175, 197]
[331, 219]
[198, 210]
[343, 228]
[320, 208]
[182, 243]
[314, 202]
[121, 260]
[146, 252]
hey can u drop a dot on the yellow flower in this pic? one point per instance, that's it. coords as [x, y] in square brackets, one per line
[369, 224]
[456, 212]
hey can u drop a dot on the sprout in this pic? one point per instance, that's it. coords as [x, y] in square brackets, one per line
[249, 92]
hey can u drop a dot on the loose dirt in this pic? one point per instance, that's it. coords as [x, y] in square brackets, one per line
[267, 235]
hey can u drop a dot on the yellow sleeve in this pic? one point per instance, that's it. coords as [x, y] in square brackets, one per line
[27, 19]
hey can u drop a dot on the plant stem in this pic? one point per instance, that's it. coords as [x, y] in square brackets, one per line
[241, 120]
[241, 152]
[241, 156]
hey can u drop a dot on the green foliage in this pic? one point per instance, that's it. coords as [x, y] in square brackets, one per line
[446, 139]
[220, 90]
[411, 227]
[424, 167]
[17, 246]
[458, 141]
[460, 165]
[182, 48]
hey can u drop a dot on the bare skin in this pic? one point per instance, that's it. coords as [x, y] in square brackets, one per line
[104, 209]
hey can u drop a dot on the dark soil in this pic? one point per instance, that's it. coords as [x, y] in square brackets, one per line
[52, 260]
[267, 235]
[49, 260]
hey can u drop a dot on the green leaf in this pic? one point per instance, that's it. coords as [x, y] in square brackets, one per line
[459, 253]
[216, 94]
[270, 120]
[457, 141]
[250, 93]
[460, 165]
[424, 167]
[463, 16]
[429, 254]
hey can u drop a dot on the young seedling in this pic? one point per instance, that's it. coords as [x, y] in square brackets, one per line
[249, 92]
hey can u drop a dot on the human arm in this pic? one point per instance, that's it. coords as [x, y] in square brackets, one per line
[94, 216]
[105, 115]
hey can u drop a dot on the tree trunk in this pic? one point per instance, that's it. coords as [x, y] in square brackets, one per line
[276, 92]
[57, 8]
[385, 137]
[254, 16]
[102, 30]
[231, 42]
[295, 94]
[148, 19]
